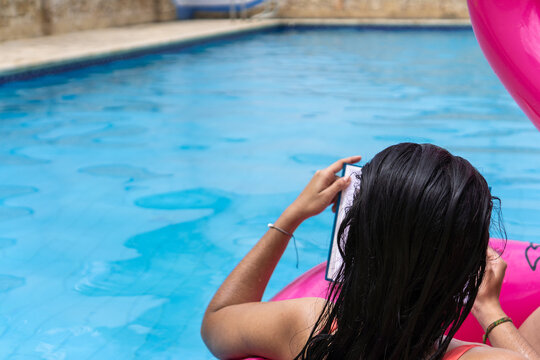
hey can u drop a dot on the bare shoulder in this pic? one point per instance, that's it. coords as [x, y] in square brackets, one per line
[491, 353]
[274, 330]
[310, 308]
[308, 311]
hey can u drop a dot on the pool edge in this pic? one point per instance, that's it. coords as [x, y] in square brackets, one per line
[89, 58]
[232, 29]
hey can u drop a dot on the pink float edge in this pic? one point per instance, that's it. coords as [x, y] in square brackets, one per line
[520, 294]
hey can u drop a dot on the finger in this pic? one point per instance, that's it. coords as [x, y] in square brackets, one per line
[334, 200]
[495, 251]
[338, 165]
[338, 185]
[492, 254]
[496, 262]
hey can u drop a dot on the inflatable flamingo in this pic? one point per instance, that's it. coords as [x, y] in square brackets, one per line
[508, 32]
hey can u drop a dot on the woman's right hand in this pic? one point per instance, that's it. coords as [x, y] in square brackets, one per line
[487, 304]
[321, 190]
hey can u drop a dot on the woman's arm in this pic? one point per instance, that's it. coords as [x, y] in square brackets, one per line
[487, 309]
[225, 328]
[530, 329]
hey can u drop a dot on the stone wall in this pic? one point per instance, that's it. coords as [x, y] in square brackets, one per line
[20, 18]
[27, 18]
[438, 9]
[73, 15]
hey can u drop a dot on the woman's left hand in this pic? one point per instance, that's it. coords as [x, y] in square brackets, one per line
[321, 190]
[487, 307]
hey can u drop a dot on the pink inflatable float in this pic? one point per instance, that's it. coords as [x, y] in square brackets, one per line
[520, 294]
[508, 32]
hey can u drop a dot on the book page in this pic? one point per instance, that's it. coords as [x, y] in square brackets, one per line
[345, 201]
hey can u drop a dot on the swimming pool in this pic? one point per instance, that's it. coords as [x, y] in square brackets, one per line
[128, 191]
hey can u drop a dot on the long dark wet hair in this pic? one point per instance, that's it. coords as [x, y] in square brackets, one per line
[414, 246]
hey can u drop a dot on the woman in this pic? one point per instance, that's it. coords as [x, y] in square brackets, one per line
[414, 246]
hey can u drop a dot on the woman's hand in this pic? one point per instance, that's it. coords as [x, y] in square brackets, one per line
[321, 190]
[487, 307]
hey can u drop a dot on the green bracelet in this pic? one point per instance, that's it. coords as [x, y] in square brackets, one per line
[493, 325]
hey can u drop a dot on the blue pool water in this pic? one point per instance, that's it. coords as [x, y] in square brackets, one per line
[128, 191]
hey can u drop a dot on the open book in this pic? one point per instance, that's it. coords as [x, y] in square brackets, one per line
[344, 202]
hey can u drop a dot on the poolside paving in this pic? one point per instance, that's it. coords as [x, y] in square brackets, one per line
[25, 55]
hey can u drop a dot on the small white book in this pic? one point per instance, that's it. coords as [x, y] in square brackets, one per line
[344, 201]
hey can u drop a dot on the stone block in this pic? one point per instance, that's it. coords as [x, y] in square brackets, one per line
[28, 18]
[75, 15]
[20, 19]
[437, 9]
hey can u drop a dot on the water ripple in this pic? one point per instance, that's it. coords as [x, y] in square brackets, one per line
[186, 199]
[12, 157]
[129, 172]
[10, 282]
[10, 191]
[7, 242]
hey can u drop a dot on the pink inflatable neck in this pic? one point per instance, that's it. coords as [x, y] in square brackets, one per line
[508, 32]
